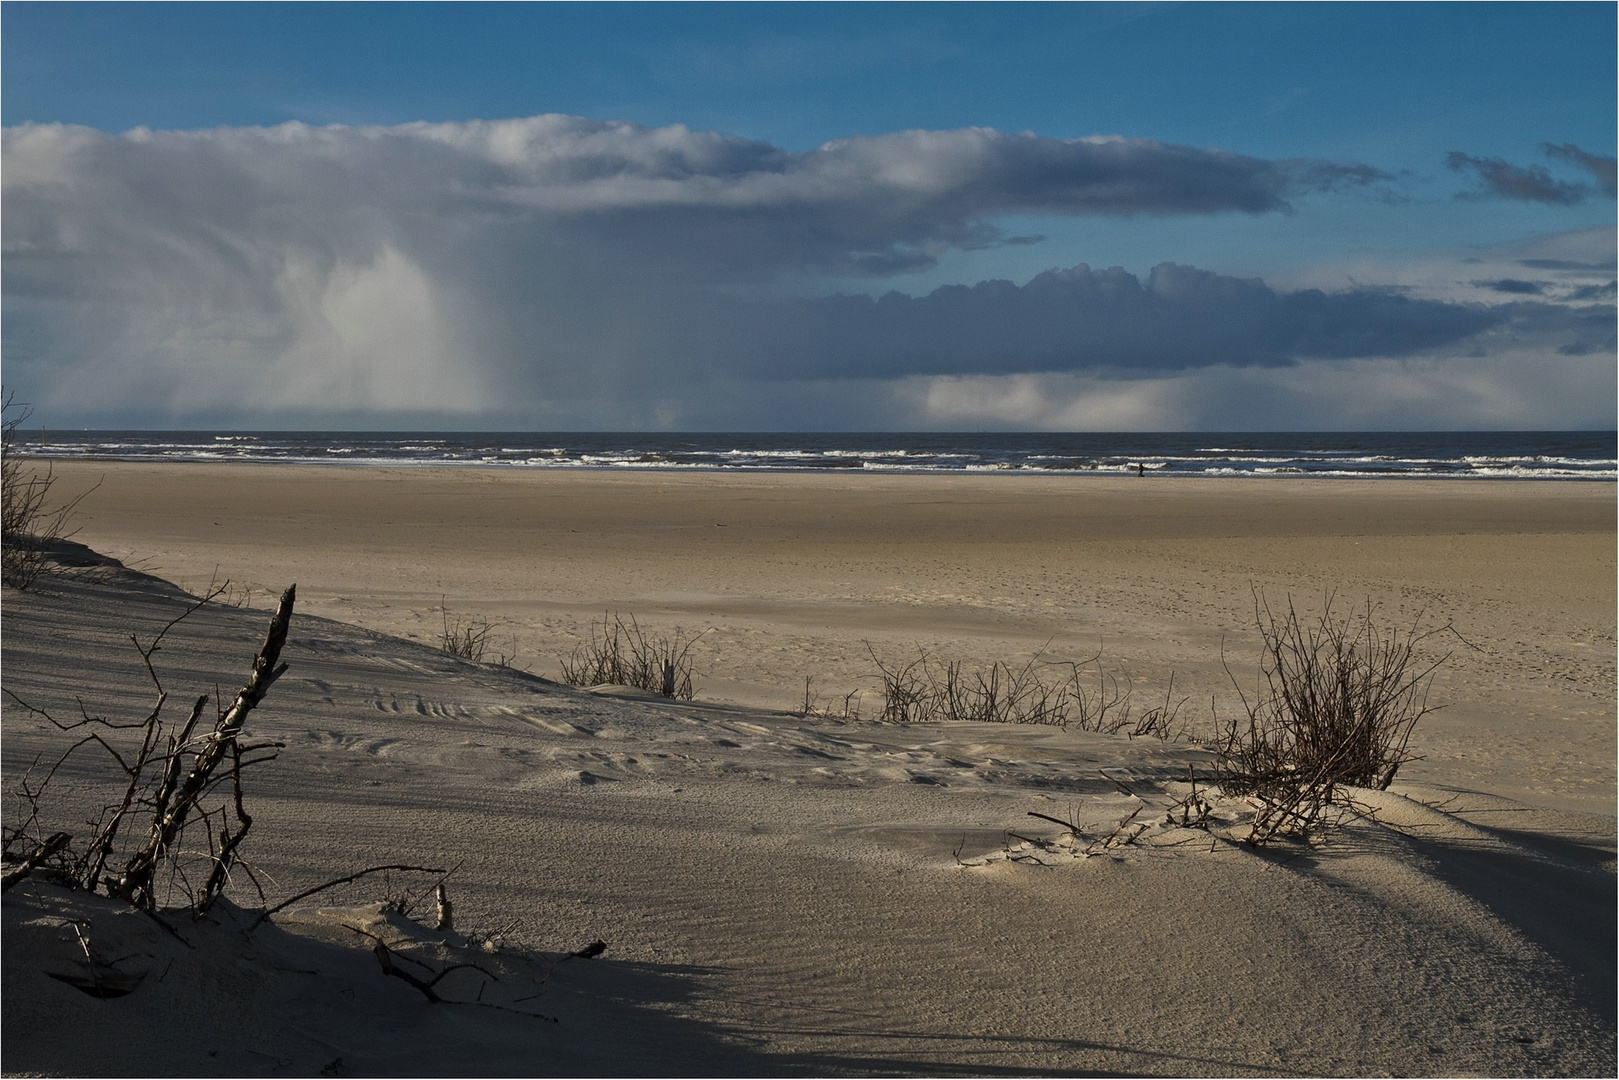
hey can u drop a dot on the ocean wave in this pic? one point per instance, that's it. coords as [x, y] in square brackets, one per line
[1439, 455]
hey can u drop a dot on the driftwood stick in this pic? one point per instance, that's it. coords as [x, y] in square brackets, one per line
[445, 910]
[95, 858]
[385, 958]
[229, 840]
[1053, 820]
[385, 955]
[1116, 782]
[264, 915]
[177, 798]
[50, 846]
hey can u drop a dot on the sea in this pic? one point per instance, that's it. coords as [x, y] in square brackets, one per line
[1450, 455]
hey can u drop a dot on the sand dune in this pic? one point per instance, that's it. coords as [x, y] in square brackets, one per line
[782, 893]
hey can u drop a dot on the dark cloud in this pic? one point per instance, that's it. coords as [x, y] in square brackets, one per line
[1515, 286]
[1565, 264]
[1069, 320]
[1570, 330]
[1313, 175]
[1595, 293]
[1605, 169]
[1499, 178]
[1534, 183]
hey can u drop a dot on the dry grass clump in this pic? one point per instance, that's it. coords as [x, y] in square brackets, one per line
[1064, 694]
[848, 708]
[620, 654]
[1332, 708]
[1333, 705]
[469, 638]
[31, 523]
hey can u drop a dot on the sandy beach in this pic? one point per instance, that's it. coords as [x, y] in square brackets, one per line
[792, 575]
[783, 893]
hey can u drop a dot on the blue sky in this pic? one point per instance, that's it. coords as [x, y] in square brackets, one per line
[462, 274]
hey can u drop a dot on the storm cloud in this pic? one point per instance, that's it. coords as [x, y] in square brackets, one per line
[1178, 318]
[556, 270]
[723, 205]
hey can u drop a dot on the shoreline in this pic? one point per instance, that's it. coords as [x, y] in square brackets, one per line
[825, 473]
[1024, 471]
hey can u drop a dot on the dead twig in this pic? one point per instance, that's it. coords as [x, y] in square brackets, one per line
[44, 850]
[344, 880]
[171, 774]
[385, 959]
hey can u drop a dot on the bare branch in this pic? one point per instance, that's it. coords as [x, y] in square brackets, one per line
[1334, 702]
[52, 844]
[267, 912]
[177, 797]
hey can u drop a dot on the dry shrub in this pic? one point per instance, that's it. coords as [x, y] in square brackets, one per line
[620, 654]
[848, 710]
[31, 522]
[1333, 705]
[466, 638]
[1082, 695]
[469, 638]
[178, 825]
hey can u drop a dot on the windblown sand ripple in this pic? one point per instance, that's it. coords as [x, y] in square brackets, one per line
[779, 893]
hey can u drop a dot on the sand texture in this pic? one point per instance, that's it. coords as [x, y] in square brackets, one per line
[782, 893]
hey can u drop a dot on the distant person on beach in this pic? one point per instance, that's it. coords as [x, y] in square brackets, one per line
[1141, 468]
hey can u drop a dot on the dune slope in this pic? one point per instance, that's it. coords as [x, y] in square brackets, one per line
[777, 893]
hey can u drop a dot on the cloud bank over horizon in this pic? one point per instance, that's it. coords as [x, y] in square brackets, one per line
[554, 271]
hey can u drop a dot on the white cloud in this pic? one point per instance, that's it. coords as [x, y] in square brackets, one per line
[1566, 268]
[1513, 391]
[1057, 402]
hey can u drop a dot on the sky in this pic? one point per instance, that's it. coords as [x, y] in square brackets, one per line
[809, 217]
